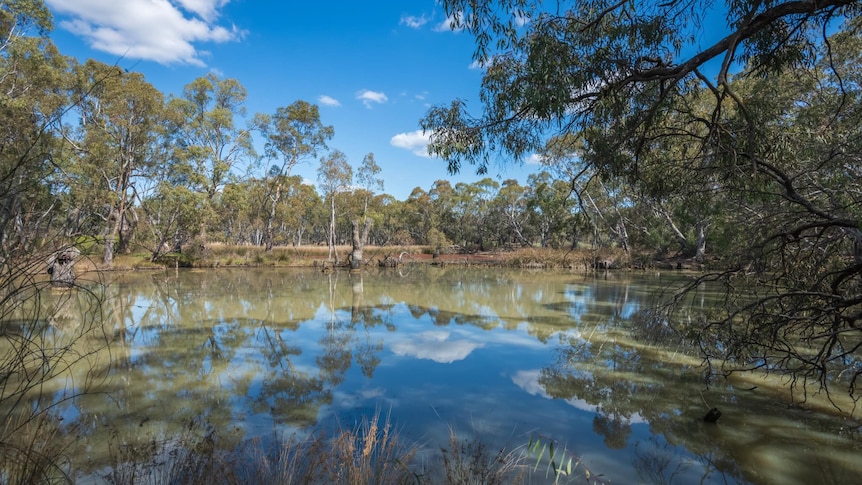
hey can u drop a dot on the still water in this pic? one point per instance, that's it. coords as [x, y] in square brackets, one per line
[493, 354]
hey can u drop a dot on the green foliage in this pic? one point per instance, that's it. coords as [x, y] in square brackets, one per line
[561, 463]
[24, 17]
[437, 240]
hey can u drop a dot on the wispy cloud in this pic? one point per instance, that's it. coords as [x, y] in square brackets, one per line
[477, 65]
[205, 9]
[155, 30]
[328, 100]
[367, 97]
[535, 159]
[415, 141]
[413, 22]
[450, 24]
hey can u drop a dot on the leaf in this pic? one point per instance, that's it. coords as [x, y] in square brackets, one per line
[539, 458]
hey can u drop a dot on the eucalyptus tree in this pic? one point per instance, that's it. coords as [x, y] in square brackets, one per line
[234, 218]
[443, 200]
[473, 207]
[775, 132]
[207, 130]
[550, 210]
[302, 214]
[418, 220]
[600, 201]
[121, 121]
[174, 217]
[334, 175]
[509, 214]
[389, 220]
[33, 98]
[294, 134]
[370, 181]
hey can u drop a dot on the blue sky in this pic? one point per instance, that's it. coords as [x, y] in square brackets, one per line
[374, 68]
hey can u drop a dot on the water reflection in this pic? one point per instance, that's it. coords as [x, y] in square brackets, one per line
[494, 353]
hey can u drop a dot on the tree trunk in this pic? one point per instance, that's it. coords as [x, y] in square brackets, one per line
[359, 239]
[332, 227]
[680, 237]
[271, 217]
[700, 249]
[111, 232]
[126, 229]
[61, 267]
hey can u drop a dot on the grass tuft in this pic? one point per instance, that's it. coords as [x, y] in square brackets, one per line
[470, 462]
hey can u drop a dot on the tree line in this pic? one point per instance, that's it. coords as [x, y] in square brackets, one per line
[94, 154]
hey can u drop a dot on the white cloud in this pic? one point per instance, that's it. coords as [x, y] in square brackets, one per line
[415, 141]
[476, 65]
[436, 346]
[448, 24]
[413, 22]
[368, 97]
[535, 159]
[155, 30]
[206, 9]
[328, 100]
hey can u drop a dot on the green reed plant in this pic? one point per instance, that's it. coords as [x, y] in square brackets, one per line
[560, 463]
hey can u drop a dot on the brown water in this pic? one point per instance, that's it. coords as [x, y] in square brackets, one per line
[494, 354]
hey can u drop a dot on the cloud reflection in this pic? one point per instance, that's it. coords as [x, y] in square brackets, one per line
[528, 380]
[435, 346]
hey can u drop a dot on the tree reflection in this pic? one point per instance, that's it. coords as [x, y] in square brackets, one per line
[627, 385]
[615, 427]
[292, 396]
[227, 347]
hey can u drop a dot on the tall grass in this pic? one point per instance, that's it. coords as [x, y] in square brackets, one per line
[470, 462]
[369, 453]
[32, 450]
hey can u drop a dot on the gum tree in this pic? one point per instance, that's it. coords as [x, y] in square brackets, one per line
[334, 175]
[292, 135]
[121, 121]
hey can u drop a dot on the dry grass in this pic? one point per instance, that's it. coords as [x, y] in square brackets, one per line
[371, 453]
[470, 462]
[32, 450]
[215, 255]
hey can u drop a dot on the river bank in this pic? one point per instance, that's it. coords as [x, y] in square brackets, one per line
[220, 255]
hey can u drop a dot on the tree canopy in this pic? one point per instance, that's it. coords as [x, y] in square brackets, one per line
[753, 134]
